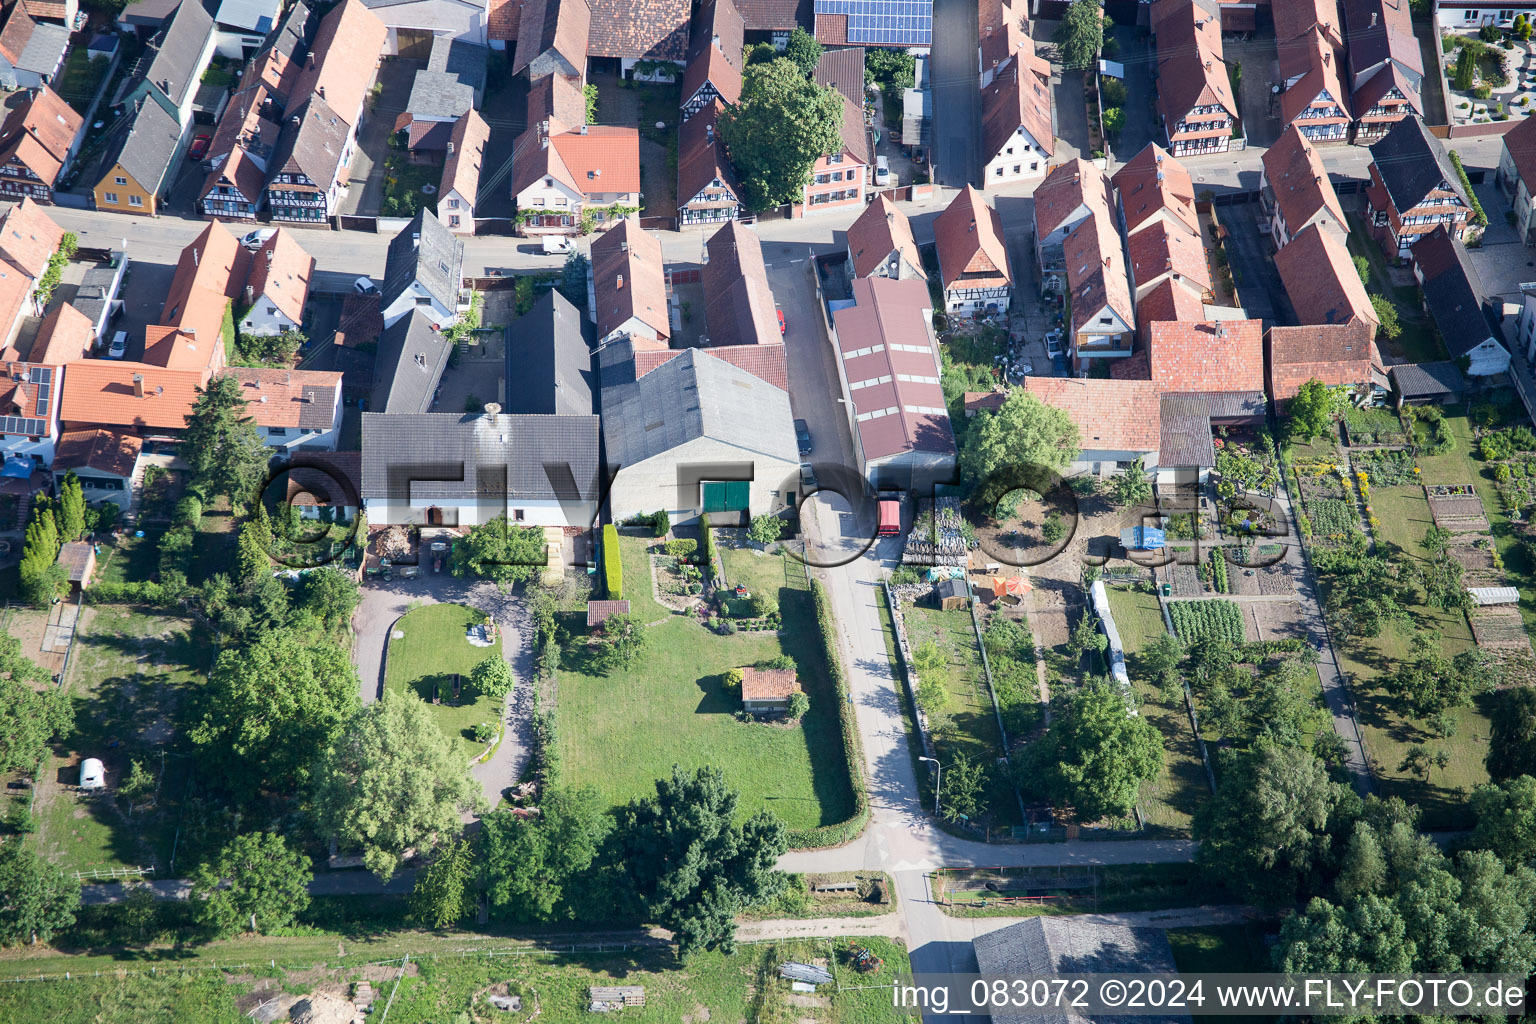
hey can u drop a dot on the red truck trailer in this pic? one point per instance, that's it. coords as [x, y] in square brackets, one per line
[890, 516]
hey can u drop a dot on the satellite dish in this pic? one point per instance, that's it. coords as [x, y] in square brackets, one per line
[661, 124]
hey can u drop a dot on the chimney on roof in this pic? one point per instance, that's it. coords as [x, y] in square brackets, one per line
[1221, 331]
[320, 91]
[1373, 19]
[618, 282]
[138, 385]
[450, 149]
[250, 297]
[582, 130]
[415, 239]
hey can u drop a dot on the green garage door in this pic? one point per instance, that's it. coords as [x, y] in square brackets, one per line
[727, 495]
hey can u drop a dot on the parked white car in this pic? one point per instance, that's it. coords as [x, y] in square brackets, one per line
[256, 239]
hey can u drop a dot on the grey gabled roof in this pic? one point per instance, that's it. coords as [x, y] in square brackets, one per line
[147, 144]
[1050, 945]
[466, 457]
[45, 48]
[291, 36]
[690, 396]
[1185, 439]
[439, 94]
[252, 15]
[549, 360]
[174, 68]
[1454, 294]
[426, 252]
[1413, 163]
[1424, 380]
[314, 145]
[410, 361]
[460, 58]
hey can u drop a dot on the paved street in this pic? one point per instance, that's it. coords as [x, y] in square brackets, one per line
[956, 99]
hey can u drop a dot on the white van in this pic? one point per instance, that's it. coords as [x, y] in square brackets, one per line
[119, 346]
[555, 245]
[882, 171]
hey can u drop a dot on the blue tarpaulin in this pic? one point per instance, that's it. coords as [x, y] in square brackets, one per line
[1141, 538]
[17, 469]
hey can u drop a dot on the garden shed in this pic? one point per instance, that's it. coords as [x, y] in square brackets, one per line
[1440, 383]
[599, 612]
[951, 594]
[78, 560]
[768, 689]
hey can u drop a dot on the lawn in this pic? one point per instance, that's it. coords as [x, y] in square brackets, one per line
[634, 552]
[129, 672]
[81, 77]
[1138, 617]
[1222, 949]
[213, 548]
[1460, 465]
[432, 650]
[1419, 342]
[129, 559]
[1119, 888]
[967, 723]
[621, 732]
[444, 987]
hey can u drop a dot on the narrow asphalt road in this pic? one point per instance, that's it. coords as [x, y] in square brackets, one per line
[956, 128]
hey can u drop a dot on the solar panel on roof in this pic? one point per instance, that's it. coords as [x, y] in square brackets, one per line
[883, 22]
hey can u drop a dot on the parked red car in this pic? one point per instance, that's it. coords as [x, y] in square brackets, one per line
[782, 328]
[199, 147]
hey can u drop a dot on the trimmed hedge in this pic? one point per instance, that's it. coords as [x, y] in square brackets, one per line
[160, 595]
[843, 831]
[707, 543]
[613, 567]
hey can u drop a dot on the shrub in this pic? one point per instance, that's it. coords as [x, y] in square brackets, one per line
[613, 568]
[707, 538]
[1489, 34]
[732, 680]
[661, 522]
[681, 547]
[799, 704]
[762, 605]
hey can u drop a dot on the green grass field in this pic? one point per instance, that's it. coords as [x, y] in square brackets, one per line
[1138, 617]
[128, 673]
[1231, 948]
[433, 649]
[621, 732]
[129, 559]
[967, 724]
[634, 553]
[711, 986]
[1120, 888]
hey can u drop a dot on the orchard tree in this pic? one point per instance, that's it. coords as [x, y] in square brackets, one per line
[620, 644]
[493, 677]
[782, 125]
[1432, 683]
[441, 896]
[256, 883]
[693, 863]
[32, 712]
[37, 900]
[330, 595]
[1512, 738]
[890, 68]
[1312, 411]
[272, 706]
[766, 529]
[1131, 486]
[535, 867]
[1096, 753]
[221, 444]
[391, 781]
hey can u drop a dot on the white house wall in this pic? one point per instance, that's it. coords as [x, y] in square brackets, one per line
[652, 484]
[441, 17]
[581, 515]
[1028, 156]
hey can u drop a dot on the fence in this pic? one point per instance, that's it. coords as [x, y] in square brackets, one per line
[111, 874]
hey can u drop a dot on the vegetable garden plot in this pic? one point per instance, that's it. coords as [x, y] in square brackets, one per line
[1386, 465]
[1373, 426]
[1195, 620]
[1457, 508]
[1500, 626]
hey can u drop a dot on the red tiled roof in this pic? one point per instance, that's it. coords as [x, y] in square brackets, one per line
[14, 286]
[1153, 182]
[765, 362]
[1318, 62]
[1293, 17]
[831, 29]
[1002, 30]
[287, 398]
[1220, 356]
[603, 158]
[969, 238]
[65, 336]
[1299, 181]
[208, 275]
[766, 15]
[854, 135]
[1321, 280]
[461, 170]
[102, 391]
[711, 66]
[341, 60]
[1068, 186]
[1096, 272]
[1375, 89]
[1167, 301]
[16, 34]
[879, 231]
[1159, 250]
[281, 271]
[29, 237]
[1190, 70]
[46, 10]
[501, 20]
[719, 26]
[38, 134]
[628, 280]
[701, 157]
[842, 69]
[647, 29]
[1019, 97]
[1111, 415]
[768, 683]
[983, 401]
[889, 324]
[1336, 354]
[1521, 143]
[107, 451]
[738, 303]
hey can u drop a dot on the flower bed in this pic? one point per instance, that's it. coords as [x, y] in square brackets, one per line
[1387, 466]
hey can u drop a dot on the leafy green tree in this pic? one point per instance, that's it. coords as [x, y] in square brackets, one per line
[1364, 867]
[1086, 636]
[778, 130]
[1265, 830]
[1432, 683]
[1365, 594]
[272, 706]
[799, 704]
[573, 279]
[802, 49]
[1096, 753]
[251, 551]
[1053, 529]
[32, 712]
[256, 882]
[1506, 818]
[330, 595]
[1386, 316]
[1081, 35]
[889, 68]
[1114, 121]
[1512, 738]
[1312, 411]
[1130, 486]
[533, 867]
[766, 529]
[391, 780]
[37, 900]
[493, 677]
[499, 551]
[138, 782]
[963, 786]
[692, 863]
[442, 895]
[71, 509]
[1363, 268]
[1024, 434]
[41, 575]
[620, 644]
[221, 443]
[1367, 936]
[1159, 660]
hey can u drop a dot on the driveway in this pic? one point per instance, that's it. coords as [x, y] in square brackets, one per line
[1253, 269]
[1140, 115]
[384, 602]
[397, 75]
[957, 134]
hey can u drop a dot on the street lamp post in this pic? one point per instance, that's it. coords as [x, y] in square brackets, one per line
[938, 771]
